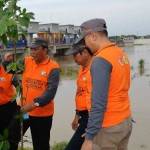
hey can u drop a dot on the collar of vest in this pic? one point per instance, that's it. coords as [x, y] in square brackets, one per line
[85, 69]
[106, 46]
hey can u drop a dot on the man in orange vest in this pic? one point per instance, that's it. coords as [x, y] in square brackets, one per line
[109, 124]
[8, 106]
[82, 56]
[39, 81]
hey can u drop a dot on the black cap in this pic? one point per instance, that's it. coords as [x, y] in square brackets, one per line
[38, 42]
[76, 48]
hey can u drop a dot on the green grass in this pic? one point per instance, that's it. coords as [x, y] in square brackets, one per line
[69, 72]
[59, 146]
[56, 146]
[26, 149]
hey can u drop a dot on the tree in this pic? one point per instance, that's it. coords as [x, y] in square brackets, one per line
[14, 21]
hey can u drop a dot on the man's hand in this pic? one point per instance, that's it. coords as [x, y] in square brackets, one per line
[75, 122]
[87, 145]
[28, 107]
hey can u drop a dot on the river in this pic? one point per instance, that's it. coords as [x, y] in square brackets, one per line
[139, 93]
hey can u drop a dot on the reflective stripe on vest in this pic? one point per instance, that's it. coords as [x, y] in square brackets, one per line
[35, 81]
[83, 94]
[118, 105]
[7, 90]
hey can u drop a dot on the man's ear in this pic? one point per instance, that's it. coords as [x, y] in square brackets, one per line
[95, 36]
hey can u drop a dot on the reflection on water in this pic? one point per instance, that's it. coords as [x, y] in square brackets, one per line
[66, 61]
[141, 67]
[137, 53]
[140, 100]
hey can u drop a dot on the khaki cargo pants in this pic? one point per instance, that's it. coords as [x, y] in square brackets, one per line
[113, 138]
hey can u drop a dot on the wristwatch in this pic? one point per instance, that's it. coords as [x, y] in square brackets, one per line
[36, 104]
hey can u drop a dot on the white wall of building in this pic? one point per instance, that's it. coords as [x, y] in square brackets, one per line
[51, 27]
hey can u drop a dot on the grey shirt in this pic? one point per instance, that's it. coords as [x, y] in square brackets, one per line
[100, 73]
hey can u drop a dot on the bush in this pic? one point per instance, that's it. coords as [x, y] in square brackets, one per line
[59, 146]
[26, 149]
[69, 72]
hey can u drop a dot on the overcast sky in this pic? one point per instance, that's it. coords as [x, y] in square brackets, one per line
[122, 16]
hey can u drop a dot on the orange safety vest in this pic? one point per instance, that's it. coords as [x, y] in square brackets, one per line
[83, 94]
[118, 105]
[34, 83]
[7, 90]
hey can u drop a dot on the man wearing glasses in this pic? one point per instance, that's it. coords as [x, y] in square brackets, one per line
[109, 124]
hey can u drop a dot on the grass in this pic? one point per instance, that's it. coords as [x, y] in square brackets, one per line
[69, 72]
[59, 146]
[26, 149]
[56, 146]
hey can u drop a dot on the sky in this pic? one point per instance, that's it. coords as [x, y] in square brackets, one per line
[122, 16]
